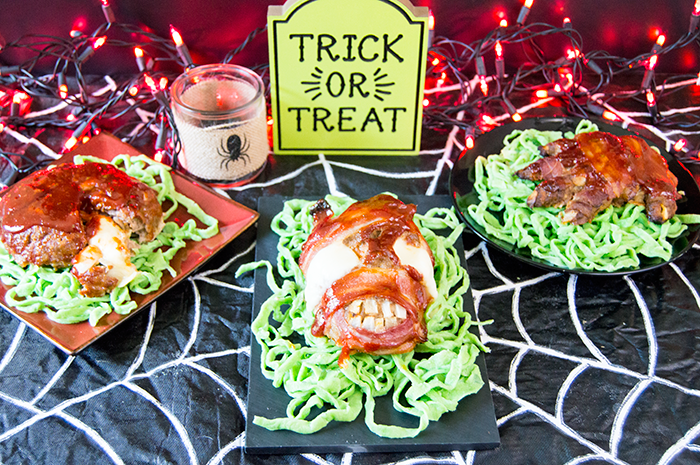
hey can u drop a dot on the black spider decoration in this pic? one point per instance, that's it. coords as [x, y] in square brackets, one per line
[235, 149]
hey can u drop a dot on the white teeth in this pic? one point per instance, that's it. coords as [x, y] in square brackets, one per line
[371, 307]
[379, 325]
[355, 306]
[355, 321]
[387, 308]
[376, 315]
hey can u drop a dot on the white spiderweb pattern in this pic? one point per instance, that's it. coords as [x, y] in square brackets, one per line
[172, 381]
[593, 360]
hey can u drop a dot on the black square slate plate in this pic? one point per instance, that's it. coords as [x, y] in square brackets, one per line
[471, 426]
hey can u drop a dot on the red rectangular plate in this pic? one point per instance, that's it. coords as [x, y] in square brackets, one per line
[233, 219]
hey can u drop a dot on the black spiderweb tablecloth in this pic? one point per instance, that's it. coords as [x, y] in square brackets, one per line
[582, 369]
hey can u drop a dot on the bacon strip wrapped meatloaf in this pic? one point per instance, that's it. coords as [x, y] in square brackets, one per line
[81, 216]
[369, 276]
[594, 170]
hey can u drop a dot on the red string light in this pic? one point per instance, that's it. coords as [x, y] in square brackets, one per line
[158, 86]
[695, 17]
[660, 41]
[182, 50]
[160, 153]
[500, 64]
[483, 85]
[156, 90]
[524, 11]
[600, 111]
[140, 59]
[441, 79]
[566, 77]
[498, 48]
[481, 74]
[651, 99]
[469, 142]
[593, 66]
[512, 112]
[431, 27]
[18, 102]
[609, 115]
[680, 145]
[77, 29]
[553, 92]
[97, 43]
[651, 62]
[177, 38]
[78, 134]
[62, 86]
[107, 11]
[70, 143]
[487, 123]
[651, 104]
[7, 70]
[572, 53]
[150, 83]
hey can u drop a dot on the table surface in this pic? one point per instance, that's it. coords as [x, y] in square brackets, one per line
[581, 369]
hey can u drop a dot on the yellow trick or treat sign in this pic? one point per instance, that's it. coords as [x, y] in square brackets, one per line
[347, 77]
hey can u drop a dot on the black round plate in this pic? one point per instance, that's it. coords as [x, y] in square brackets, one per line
[463, 194]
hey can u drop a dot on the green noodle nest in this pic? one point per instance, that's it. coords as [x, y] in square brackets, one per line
[424, 383]
[57, 293]
[613, 240]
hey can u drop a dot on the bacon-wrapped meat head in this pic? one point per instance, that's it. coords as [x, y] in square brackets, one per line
[369, 276]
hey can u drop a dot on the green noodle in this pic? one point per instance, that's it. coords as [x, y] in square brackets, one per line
[57, 293]
[426, 382]
[612, 241]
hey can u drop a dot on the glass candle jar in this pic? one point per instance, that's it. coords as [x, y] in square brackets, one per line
[220, 116]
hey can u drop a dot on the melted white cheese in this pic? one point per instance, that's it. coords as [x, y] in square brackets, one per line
[418, 258]
[109, 247]
[328, 265]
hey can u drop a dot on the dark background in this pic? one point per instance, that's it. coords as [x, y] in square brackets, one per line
[211, 28]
